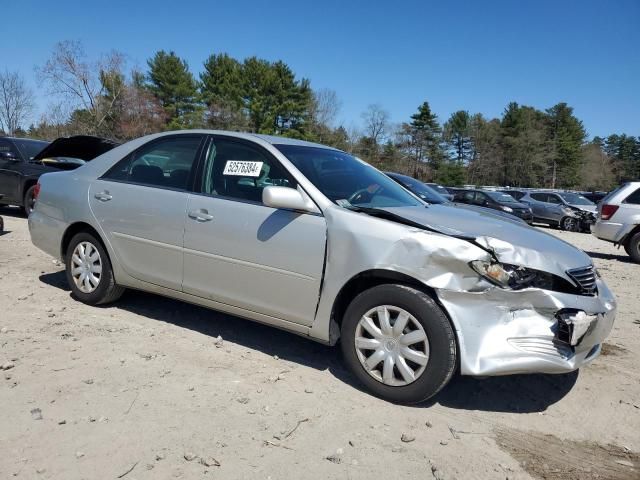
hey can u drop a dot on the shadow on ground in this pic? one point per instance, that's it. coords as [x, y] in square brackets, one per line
[516, 393]
[623, 257]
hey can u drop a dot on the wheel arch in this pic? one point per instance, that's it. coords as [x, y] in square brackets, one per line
[374, 277]
[74, 229]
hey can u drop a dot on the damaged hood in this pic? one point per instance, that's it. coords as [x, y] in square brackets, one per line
[585, 208]
[71, 152]
[511, 242]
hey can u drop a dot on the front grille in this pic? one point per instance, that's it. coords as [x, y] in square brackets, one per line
[585, 278]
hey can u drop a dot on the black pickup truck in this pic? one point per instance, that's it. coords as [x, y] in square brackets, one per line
[22, 161]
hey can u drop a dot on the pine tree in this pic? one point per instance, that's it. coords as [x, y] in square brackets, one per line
[567, 135]
[457, 133]
[171, 82]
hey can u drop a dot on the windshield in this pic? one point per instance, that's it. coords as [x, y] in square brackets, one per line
[30, 148]
[346, 180]
[501, 197]
[425, 192]
[575, 199]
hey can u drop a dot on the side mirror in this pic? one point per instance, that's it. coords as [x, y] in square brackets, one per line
[286, 198]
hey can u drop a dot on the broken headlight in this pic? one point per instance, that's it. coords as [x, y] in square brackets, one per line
[514, 277]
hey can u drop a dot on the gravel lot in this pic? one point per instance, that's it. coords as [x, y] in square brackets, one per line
[155, 388]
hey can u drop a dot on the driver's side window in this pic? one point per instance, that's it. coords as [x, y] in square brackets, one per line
[239, 171]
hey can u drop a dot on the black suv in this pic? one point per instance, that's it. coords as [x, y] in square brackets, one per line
[22, 161]
[495, 200]
[18, 173]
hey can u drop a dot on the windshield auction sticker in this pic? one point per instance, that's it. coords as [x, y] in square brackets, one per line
[242, 169]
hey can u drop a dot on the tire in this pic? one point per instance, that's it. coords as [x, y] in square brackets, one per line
[28, 201]
[105, 289]
[570, 224]
[440, 344]
[633, 247]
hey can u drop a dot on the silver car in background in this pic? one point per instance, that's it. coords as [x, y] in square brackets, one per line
[567, 210]
[619, 219]
[312, 240]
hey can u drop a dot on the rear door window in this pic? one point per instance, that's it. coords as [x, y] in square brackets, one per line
[166, 163]
[540, 197]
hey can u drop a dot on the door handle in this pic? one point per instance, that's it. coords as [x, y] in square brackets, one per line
[103, 196]
[201, 215]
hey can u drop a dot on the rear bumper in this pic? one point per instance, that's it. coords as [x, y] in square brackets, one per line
[503, 332]
[46, 233]
[610, 231]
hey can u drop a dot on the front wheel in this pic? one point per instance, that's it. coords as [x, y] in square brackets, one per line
[570, 224]
[398, 343]
[89, 271]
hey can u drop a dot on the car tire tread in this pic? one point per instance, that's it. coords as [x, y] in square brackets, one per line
[442, 342]
[108, 291]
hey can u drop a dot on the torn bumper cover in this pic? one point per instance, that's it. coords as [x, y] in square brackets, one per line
[503, 332]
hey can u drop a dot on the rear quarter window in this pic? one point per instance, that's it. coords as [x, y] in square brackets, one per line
[634, 198]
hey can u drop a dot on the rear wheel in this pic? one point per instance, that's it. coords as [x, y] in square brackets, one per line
[398, 343]
[633, 247]
[89, 271]
[29, 200]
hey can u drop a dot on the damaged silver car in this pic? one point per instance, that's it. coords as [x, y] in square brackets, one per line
[312, 240]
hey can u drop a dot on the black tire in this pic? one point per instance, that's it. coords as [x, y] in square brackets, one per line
[565, 226]
[441, 338]
[633, 247]
[107, 290]
[28, 200]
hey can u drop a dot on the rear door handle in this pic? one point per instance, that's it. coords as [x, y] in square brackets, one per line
[201, 215]
[103, 196]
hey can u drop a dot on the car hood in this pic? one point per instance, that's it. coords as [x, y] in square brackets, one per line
[510, 242]
[71, 152]
[586, 208]
[489, 211]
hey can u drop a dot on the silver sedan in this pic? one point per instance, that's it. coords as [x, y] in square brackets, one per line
[309, 239]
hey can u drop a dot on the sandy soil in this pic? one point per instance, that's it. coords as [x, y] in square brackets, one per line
[146, 389]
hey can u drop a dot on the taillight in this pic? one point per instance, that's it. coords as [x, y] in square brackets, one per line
[607, 211]
[36, 191]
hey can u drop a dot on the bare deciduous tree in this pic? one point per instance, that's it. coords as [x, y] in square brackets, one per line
[94, 87]
[325, 106]
[16, 101]
[376, 122]
[140, 113]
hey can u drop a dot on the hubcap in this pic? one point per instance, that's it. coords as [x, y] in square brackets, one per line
[570, 224]
[86, 267]
[391, 345]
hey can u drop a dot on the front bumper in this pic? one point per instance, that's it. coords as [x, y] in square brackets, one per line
[502, 332]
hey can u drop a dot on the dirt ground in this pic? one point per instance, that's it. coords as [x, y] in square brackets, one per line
[155, 388]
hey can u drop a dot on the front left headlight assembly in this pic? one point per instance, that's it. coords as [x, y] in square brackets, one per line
[515, 277]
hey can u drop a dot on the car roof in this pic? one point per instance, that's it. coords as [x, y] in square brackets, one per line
[272, 139]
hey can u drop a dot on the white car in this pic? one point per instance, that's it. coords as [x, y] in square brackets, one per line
[619, 219]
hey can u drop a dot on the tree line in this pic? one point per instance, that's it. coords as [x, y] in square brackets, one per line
[525, 147]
